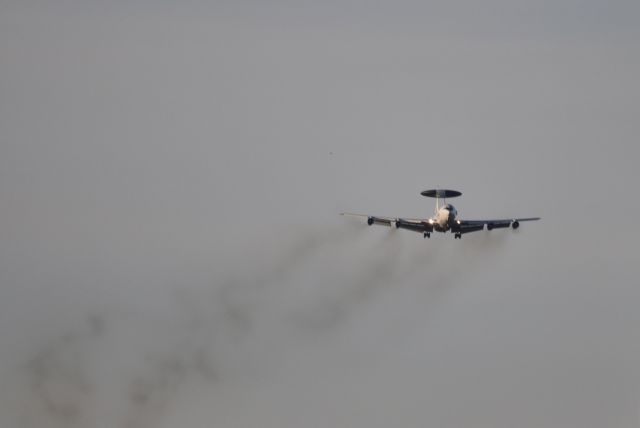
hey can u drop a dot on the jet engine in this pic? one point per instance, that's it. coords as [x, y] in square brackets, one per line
[501, 225]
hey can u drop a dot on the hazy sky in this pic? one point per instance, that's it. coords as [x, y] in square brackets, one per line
[171, 175]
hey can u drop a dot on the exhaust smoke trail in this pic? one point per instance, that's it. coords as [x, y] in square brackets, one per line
[122, 367]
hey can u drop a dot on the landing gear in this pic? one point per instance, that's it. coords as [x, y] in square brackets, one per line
[427, 234]
[458, 235]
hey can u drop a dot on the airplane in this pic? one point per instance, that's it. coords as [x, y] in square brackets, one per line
[445, 218]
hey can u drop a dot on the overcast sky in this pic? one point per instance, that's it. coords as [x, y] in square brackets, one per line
[170, 181]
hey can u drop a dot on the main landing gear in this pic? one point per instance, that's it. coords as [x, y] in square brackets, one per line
[427, 234]
[458, 235]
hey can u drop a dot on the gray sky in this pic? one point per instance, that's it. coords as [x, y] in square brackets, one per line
[171, 253]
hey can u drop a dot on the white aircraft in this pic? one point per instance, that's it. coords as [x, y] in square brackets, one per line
[444, 219]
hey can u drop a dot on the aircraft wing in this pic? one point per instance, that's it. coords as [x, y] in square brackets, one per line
[475, 225]
[415, 224]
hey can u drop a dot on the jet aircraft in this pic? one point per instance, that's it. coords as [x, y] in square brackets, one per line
[445, 218]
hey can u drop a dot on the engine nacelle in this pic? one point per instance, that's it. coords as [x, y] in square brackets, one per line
[515, 224]
[411, 225]
[467, 229]
[498, 225]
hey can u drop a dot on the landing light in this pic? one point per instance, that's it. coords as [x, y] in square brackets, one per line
[458, 221]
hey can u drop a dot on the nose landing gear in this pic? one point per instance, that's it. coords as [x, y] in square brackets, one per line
[458, 235]
[427, 234]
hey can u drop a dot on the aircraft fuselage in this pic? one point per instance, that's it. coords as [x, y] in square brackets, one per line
[445, 218]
